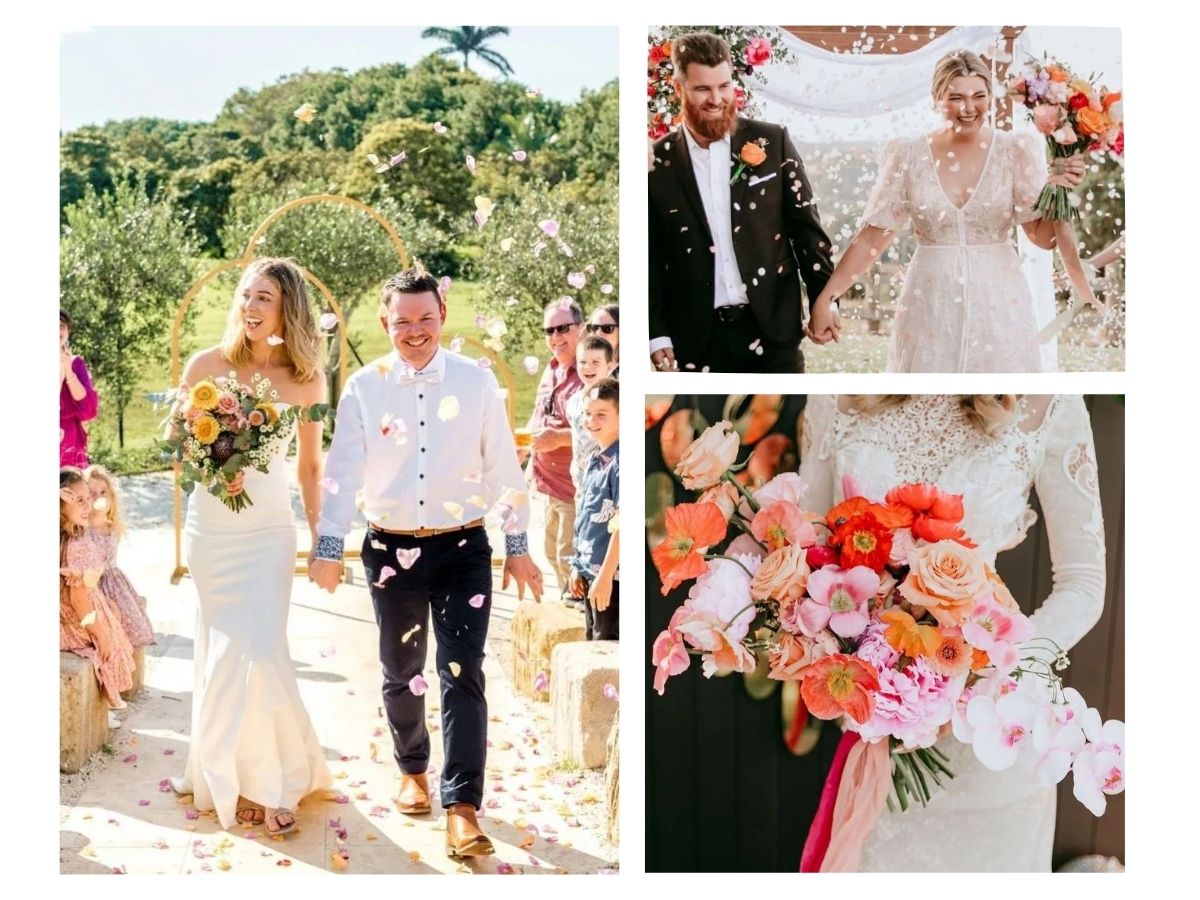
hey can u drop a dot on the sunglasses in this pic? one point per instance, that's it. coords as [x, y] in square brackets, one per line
[592, 328]
[559, 329]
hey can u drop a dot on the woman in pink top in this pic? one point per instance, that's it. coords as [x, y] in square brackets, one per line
[77, 400]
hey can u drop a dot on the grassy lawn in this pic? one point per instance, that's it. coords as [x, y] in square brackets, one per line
[142, 419]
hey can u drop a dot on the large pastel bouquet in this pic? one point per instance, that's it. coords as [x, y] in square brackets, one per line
[888, 616]
[220, 426]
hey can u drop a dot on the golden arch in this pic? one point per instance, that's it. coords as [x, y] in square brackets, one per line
[343, 339]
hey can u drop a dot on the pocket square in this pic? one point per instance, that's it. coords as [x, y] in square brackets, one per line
[756, 180]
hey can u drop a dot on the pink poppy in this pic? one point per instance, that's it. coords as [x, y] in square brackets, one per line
[670, 656]
[783, 523]
[838, 600]
[988, 623]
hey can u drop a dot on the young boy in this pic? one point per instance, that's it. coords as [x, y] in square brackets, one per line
[594, 565]
[593, 361]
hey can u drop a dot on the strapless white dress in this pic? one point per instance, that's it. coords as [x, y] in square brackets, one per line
[251, 735]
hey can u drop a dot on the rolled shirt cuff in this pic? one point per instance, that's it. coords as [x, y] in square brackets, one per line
[331, 548]
[516, 544]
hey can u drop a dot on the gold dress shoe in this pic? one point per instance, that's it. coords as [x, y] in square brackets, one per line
[413, 799]
[463, 837]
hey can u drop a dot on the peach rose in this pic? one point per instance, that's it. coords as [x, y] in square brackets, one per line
[783, 575]
[706, 460]
[752, 154]
[724, 496]
[797, 652]
[945, 578]
[1045, 118]
[1091, 123]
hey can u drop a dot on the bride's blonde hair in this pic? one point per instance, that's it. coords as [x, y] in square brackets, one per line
[988, 412]
[956, 63]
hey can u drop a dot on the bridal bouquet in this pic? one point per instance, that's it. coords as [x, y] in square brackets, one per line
[222, 426]
[890, 619]
[1075, 116]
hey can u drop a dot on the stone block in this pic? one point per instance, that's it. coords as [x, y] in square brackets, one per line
[537, 628]
[139, 673]
[82, 712]
[612, 784]
[582, 715]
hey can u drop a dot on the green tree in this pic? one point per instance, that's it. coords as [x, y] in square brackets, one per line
[204, 193]
[86, 160]
[125, 262]
[468, 39]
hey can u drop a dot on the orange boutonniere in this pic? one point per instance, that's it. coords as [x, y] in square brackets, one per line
[752, 154]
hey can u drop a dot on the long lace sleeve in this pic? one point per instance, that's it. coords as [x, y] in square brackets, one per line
[816, 462]
[1067, 487]
[888, 207]
[1028, 155]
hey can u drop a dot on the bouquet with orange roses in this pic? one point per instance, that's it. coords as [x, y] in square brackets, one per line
[891, 620]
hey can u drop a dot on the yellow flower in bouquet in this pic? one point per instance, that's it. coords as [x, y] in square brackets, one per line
[268, 410]
[204, 395]
[206, 429]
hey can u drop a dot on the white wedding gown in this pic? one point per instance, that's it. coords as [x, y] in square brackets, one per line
[982, 820]
[251, 735]
[965, 305]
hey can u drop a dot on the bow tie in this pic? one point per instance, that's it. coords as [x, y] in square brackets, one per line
[410, 377]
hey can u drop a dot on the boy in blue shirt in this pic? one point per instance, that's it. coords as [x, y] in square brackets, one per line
[594, 565]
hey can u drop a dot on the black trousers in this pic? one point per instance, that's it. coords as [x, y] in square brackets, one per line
[602, 626]
[443, 580]
[729, 349]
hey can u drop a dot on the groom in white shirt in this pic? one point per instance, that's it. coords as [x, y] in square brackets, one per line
[423, 432]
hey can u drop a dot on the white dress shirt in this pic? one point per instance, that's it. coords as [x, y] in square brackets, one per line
[713, 167]
[444, 473]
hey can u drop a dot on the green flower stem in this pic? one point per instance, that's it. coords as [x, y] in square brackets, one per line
[731, 559]
[916, 770]
[741, 489]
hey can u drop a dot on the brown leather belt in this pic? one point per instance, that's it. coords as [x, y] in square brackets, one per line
[427, 532]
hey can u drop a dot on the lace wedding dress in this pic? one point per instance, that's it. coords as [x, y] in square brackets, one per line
[982, 820]
[965, 305]
[251, 735]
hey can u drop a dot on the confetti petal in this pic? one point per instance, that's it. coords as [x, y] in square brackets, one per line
[576, 280]
[379, 545]
[384, 574]
[505, 869]
[398, 158]
[407, 556]
[455, 669]
[444, 286]
[274, 340]
[541, 682]
[456, 344]
[506, 244]
[610, 692]
[448, 408]
[408, 634]
[470, 163]
[511, 301]
[329, 485]
[477, 601]
[418, 685]
[143, 803]
[454, 509]
[305, 112]
[484, 362]
[549, 227]
[328, 651]
[373, 159]
[328, 321]
[606, 288]
[130, 759]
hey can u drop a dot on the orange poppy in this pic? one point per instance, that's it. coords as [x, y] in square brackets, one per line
[691, 529]
[904, 634]
[840, 684]
[886, 516]
[952, 656]
[935, 514]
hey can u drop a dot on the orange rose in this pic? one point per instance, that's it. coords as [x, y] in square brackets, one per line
[1057, 74]
[1091, 123]
[796, 653]
[724, 496]
[783, 575]
[945, 578]
[752, 154]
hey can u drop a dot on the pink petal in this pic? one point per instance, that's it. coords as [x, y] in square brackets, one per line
[328, 321]
[549, 227]
[606, 288]
[384, 574]
[407, 556]
[131, 758]
[169, 752]
[329, 485]
[505, 869]
[165, 785]
[444, 286]
[610, 692]
[477, 601]
[418, 685]
[862, 581]
[143, 803]
[540, 682]
[576, 280]
[483, 362]
[531, 364]
[439, 128]
[519, 155]
[813, 616]
[274, 340]
[398, 158]
[848, 624]
[470, 163]
[456, 344]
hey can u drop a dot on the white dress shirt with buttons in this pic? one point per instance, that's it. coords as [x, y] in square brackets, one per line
[452, 466]
[713, 167]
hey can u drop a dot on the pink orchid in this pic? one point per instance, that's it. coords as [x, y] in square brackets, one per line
[670, 656]
[781, 524]
[1098, 772]
[838, 599]
[1057, 738]
[988, 623]
[1002, 727]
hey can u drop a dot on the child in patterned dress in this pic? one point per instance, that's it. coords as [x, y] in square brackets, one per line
[106, 528]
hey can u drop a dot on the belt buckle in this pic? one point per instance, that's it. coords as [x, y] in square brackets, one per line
[423, 532]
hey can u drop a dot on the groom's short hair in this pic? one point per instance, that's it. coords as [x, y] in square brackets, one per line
[701, 47]
[410, 281]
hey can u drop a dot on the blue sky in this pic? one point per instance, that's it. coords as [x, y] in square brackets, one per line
[188, 72]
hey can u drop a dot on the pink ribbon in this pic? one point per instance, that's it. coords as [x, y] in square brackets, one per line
[859, 780]
[819, 831]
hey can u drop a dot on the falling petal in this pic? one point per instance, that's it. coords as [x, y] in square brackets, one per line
[476, 500]
[89, 619]
[404, 637]
[610, 692]
[454, 509]
[305, 112]
[143, 803]
[274, 340]
[606, 288]
[519, 155]
[418, 686]
[505, 869]
[384, 574]
[477, 601]
[455, 669]
[549, 227]
[456, 344]
[328, 651]
[506, 244]
[406, 556]
[483, 362]
[131, 758]
[373, 159]
[328, 321]
[463, 542]
[379, 545]
[170, 751]
[439, 128]
[448, 408]
[576, 280]
[444, 286]
[541, 682]
[329, 485]
[398, 158]
[470, 163]
[538, 248]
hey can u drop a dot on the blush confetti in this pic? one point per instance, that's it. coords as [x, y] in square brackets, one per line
[329, 485]
[407, 556]
[328, 321]
[549, 227]
[577, 280]
[274, 340]
[519, 155]
[448, 408]
[418, 685]
[384, 574]
[477, 601]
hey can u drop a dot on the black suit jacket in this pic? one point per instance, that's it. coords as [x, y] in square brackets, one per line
[780, 236]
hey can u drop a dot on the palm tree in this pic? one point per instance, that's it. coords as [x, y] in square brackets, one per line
[467, 40]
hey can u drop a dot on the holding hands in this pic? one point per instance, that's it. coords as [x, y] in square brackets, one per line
[824, 325]
[664, 360]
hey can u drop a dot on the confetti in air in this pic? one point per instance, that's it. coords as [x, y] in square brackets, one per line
[407, 557]
[448, 408]
[329, 485]
[305, 112]
[531, 365]
[418, 685]
[274, 340]
[384, 574]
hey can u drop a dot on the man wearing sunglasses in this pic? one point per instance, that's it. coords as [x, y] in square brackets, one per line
[563, 326]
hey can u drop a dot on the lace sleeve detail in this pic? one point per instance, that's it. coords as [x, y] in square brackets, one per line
[888, 206]
[1067, 488]
[816, 462]
[1028, 156]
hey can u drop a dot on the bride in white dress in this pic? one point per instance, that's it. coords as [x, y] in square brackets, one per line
[965, 305]
[982, 820]
[251, 737]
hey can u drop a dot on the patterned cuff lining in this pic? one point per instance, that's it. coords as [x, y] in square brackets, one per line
[330, 548]
[516, 544]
